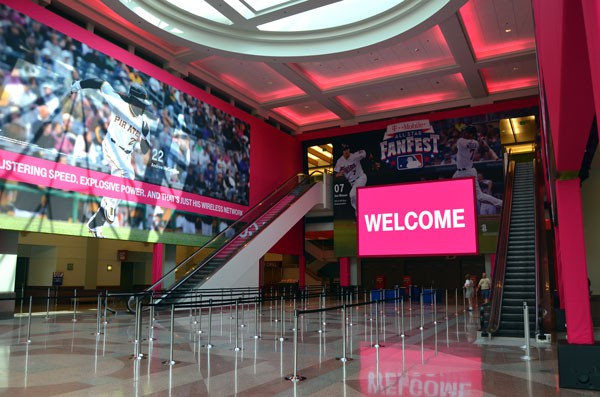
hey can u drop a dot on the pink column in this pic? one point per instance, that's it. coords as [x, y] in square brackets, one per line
[591, 17]
[157, 264]
[302, 271]
[573, 262]
[344, 272]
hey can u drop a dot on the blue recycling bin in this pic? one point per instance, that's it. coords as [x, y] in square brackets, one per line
[428, 295]
[377, 294]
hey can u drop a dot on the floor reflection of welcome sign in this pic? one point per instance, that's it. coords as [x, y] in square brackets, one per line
[422, 218]
[57, 278]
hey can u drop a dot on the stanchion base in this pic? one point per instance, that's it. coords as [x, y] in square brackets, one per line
[27, 341]
[344, 359]
[237, 349]
[320, 331]
[527, 358]
[96, 333]
[281, 339]
[74, 320]
[295, 378]
[169, 362]
[151, 339]
[137, 357]
[257, 337]
[208, 346]
[377, 345]
[200, 331]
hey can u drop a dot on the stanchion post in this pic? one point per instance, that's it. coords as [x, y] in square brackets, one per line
[48, 305]
[344, 357]
[295, 377]
[282, 325]
[74, 305]
[105, 307]
[28, 340]
[527, 356]
[237, 325]
[98, 314]
[209, 344]
[171, 361]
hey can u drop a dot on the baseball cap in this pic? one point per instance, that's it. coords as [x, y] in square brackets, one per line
[470, 130]
[138, 95]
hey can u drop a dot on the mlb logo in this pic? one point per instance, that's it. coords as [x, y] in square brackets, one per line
[409, 161]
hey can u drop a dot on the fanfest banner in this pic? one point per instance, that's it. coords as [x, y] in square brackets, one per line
[93, 146]
[420, 150]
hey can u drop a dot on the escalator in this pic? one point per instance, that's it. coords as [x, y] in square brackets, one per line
[519, 278]
[520, 267]
[239, 247]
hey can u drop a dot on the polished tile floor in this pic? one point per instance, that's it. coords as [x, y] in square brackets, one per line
[61, 353]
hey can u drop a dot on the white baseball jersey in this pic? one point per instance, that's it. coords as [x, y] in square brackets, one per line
[124, 128]
[351, 166]
[466, 149]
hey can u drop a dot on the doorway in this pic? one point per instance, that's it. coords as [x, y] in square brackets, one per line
[21, 276]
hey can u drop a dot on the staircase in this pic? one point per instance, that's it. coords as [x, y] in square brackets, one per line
[520, 276]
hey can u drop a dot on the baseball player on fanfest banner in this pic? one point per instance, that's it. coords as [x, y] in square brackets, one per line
[127, 126]
[466, 148]
[349, 166]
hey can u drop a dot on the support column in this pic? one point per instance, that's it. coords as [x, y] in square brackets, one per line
[157, 263]
[591, 17]
[344, 272]
[301, 271]
[573, 262]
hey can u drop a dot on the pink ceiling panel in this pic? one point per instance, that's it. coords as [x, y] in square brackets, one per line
[255, 79]
[509, 77]
[497, 27]
[404, 95]
[428, 50]
[306, 113]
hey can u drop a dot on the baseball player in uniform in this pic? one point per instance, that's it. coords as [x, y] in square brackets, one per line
[127, 126]
[349, 167]
[466, 147]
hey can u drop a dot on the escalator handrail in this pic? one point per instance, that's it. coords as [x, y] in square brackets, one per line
[543, 295]
[221, 239]
[501, 250]
[240, 247]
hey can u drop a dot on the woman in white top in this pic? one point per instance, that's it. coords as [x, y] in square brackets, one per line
[469, 290]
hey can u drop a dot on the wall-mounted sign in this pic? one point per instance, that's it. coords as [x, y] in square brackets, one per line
[122, 255]
[57, 279]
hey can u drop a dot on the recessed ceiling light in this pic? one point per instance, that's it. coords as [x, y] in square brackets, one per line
[306, 107]
[417, 50]
[515, 68]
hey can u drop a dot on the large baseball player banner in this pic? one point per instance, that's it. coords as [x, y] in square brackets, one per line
[92, 146]
[420, 150]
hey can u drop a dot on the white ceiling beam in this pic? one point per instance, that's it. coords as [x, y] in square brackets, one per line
[460, 49]
[287, 11]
